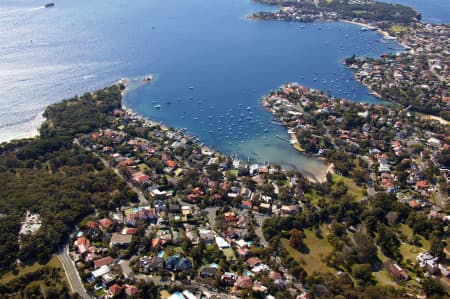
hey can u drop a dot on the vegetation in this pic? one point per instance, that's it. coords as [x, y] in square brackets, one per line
[311, 254]
[82, 114]
[53, 177]
[362, 236]
[371, 11]
[36, 281]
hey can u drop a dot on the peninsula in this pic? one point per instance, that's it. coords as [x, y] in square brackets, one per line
[378, 14]
[417, 76]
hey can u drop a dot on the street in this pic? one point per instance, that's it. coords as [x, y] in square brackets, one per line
[71, 271]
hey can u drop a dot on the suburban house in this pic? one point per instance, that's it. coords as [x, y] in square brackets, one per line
[120, 240]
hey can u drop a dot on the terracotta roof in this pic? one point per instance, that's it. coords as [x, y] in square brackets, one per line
[83, 241]
[171, 163]
[92, 224]
[246, 203]
[253, 261]
[414, 204]
[115, 289]
[103, 261]
[421, 184]
[105, 222]
[244, 282]
[131, 230]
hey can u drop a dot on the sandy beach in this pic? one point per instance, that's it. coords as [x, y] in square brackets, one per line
[31, 131]
[384, 33]
[437, 118]
[322, 177]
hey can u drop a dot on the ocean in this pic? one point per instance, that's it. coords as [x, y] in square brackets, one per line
[211, 66]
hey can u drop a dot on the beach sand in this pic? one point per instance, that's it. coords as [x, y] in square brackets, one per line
[322, 178]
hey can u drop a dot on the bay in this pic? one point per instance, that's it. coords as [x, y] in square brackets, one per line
[79, 46]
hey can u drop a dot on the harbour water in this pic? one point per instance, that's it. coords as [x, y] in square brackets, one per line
[211, 65]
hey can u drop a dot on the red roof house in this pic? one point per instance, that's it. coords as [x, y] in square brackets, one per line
[105, 223]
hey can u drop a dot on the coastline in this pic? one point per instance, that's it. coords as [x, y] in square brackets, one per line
[385, 34]
[319, 178]
[36, 123]
[316, 177]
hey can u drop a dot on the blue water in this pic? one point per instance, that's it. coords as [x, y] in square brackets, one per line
[78, 46]
[214, 80]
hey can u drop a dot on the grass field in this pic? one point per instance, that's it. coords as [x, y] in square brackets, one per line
[399, 28]
[313, 197]
[384, 278]
[54, 263]
[409, 251]
[353, 189]
[318, 249]
[229, 254]
[408, 232]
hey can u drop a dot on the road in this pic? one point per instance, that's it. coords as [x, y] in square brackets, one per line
[212, 216]
[142, 199]
[72, 275]
[258, 230]
[372, 176]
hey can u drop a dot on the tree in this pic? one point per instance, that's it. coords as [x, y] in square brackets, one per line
[33, 290]
[433, 288]
[338, 190]
[362, 272]
[296, 239]
[366, 251]
[388, 242]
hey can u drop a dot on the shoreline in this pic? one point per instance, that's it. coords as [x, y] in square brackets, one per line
[319, 177]
[385, 34]
[36, 122]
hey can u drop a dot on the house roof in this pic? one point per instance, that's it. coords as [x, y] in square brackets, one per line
[208, 270]
[130, 290]
[253, 261]
[131, 230]
[121, 239]
[92, 224]
[103, 261]
[244, 282]
[184, 264]
[105, 222]
[274, 275]
[398, 272]
[101, 271]
[421, 184]
[82, 241]
[259, 287]
[414, 204]
[246, 203]
[115, 289]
